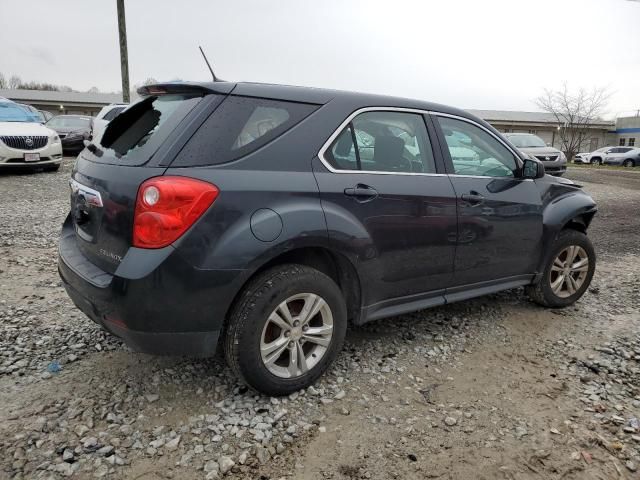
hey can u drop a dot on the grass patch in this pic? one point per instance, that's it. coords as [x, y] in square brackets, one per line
[601, 167]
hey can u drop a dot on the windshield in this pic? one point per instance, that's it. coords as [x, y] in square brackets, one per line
[11, 112]
[68, 122]
[527, 140]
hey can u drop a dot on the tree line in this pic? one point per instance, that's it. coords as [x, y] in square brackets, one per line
[14, 82]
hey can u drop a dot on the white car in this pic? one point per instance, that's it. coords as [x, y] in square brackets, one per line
[597, 156]
[26, 142]
[105, 115]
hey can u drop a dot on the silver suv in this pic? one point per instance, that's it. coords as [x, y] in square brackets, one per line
[555, 162]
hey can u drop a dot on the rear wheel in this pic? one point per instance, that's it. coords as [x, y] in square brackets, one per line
[286, 329]
[568, 272]
[628, 163]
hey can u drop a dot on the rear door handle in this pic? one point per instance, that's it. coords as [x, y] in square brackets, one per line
[361, 192]
[473, 198]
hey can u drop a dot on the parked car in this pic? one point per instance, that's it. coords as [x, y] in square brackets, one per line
[105, 115]
[554, 161]
[597, 157]
[594, 157]
[630, 157]
[246, 213]
[73, 131]
[24, 141]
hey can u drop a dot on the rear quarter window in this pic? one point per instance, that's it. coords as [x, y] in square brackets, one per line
[239, 126]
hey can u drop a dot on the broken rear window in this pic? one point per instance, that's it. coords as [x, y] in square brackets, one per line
[134, 136]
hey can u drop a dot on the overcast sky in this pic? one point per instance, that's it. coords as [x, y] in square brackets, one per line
[488, 54]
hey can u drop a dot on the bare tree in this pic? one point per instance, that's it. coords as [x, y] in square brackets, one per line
[93, 90]
[150, 81]
[575, 112]
[3, 81]
[15, 82]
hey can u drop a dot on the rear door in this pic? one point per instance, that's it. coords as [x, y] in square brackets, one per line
[389, 204]
[499, 214]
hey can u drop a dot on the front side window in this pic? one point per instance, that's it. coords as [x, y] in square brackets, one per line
[474, 152]
[383, 142]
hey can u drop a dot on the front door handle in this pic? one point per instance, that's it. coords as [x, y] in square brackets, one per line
[472, 198]
[361, 192]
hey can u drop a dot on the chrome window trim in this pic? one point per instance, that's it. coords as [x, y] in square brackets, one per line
[348, 120]
[418, 111]
[482, 127]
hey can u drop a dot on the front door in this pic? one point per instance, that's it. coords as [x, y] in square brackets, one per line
[499, 214]
[388, 206]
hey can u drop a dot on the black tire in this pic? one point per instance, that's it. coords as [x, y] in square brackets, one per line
[249, 316]
[596, 161]
[541, 292]
[628, 163]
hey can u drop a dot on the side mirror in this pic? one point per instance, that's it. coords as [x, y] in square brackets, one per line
[532, 169]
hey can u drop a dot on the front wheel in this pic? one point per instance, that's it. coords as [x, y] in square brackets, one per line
[596, 161]
[568, 272]
[286, 329]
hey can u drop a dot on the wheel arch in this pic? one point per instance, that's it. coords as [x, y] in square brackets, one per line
[573, 211]
[333, 264]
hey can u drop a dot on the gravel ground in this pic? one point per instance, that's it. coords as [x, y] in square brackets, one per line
[491, 388]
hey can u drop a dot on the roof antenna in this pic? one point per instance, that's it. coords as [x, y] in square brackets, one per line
[215, 79]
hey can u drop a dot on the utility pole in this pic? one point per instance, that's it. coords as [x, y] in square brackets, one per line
[124, 57]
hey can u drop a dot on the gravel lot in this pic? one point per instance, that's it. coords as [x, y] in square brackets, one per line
[491, 388]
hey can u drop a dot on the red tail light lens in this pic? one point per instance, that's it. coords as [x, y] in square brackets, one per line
[167, 206]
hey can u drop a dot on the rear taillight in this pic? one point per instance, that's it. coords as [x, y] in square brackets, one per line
[167, 206]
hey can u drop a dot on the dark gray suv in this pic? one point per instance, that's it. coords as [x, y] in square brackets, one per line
[267, 217]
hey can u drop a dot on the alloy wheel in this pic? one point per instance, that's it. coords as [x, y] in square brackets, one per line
[569, 271]
[296, 335]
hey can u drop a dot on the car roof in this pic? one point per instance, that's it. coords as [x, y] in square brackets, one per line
[309, 95]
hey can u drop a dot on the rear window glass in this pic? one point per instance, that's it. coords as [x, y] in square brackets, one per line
[134, 136]
[238, 127]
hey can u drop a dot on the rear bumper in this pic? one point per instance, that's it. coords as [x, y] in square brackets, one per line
[196, 344]
[158, 304]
